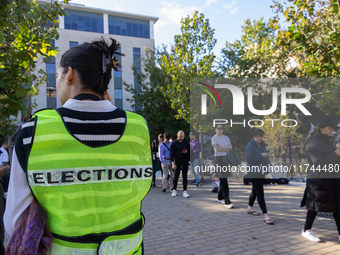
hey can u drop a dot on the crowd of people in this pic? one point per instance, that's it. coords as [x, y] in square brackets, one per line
[88, 150]
[321, 194]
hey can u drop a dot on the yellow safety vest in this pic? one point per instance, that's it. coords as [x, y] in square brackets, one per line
[91, 196]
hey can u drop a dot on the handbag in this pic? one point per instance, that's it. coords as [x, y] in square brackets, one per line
[232, 159]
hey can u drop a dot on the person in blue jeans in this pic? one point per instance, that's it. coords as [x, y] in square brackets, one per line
[257, 156]
[195, 146]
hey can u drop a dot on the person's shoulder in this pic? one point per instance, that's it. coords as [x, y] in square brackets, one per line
[249, 144]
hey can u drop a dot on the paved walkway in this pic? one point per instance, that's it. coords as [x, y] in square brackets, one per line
[200, 225]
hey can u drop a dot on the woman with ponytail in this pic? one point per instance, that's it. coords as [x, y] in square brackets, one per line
[82, 169]
[257, 157]
[321, 194]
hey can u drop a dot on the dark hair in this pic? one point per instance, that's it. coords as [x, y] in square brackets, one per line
[304, 141]
[154, 149]
[256, 132]
[161, 136]
[167, 135]
[91, 61]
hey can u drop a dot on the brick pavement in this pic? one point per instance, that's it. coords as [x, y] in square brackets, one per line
[200, 225]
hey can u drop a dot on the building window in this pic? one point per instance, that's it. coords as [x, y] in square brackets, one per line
[72, 44]
[129, 27]
[84, 21]
[51, 83]
[137, 64]
[118, 90]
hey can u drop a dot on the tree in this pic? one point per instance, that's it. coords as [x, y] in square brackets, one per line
[190, 58]
[312, 38]
[276, 136]
[255, 55]
[27, 31]
[156, 107]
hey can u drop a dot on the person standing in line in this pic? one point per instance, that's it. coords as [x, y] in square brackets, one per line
[195, 146]
[164, 157]
[154, 163]
[222, 146]
[3, 169]
[180, 157]
[321, 194]
[159, 141]
[257, 156]
[91, 182]
[4, 154]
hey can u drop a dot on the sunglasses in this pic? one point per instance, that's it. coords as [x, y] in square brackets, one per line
[222, 128]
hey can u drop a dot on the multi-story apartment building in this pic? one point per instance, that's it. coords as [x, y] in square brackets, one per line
[83, 24]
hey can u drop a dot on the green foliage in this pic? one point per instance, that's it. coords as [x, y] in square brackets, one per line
[26, 31]
[255, 55]
[312, 39]
[276, 135]
[156, 108]
[191, 57]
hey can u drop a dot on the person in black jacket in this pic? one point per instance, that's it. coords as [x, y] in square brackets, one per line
[180, 157]
[257, 156]
[321, 194]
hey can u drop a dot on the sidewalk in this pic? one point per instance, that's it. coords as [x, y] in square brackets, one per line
[200, 225]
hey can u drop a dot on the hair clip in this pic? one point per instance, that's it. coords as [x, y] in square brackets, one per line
[105, 62]
[114, 63]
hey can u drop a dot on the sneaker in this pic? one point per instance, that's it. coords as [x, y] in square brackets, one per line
[229, 206]
[308, 234]
[174, 193]
[198, 184]
[221, 201]
[193, 183]
[164, 190]
[185, 194]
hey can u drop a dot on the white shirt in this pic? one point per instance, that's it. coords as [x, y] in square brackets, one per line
[222, 141]
[19, 195]
[3, 156]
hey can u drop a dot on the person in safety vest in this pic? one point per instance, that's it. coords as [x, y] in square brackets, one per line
[88, 163]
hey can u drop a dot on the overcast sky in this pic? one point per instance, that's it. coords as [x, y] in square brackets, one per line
[225, 16]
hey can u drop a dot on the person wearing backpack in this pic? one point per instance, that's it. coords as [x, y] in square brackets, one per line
[164, 157]
[257, 156]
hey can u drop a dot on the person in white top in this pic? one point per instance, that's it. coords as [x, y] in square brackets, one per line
[222, 146]
[4, 155]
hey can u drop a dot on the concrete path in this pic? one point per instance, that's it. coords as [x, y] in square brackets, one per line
[200, 225]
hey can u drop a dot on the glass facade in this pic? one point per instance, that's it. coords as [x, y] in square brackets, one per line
[84, 21]
[137, 64]
[118, 87]
[51, 83]
[72, 44]
[129, 27]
